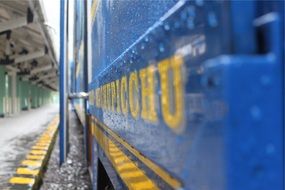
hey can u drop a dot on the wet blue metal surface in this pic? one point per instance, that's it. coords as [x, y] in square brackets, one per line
[233, 130]
[77, 66]
[189, 23]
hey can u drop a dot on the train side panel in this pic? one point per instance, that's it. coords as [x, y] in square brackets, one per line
[77, 74]
[184, 94]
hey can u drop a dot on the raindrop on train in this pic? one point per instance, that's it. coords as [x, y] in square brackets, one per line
[166, 27]
[161, 48]
[191, 11]
[212, 19]
[199, 2]
[183, 15]
[146, 39]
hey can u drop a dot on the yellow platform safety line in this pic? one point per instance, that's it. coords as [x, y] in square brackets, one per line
[42, 145]
[22, 180]
[36, 157]
[38, 152]
[45, 137]
[31, 163]
[174, 183]
[39, 148]
[45, 140]
[27, 171]
[123, 164]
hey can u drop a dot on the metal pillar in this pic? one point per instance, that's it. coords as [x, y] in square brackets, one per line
[2, 90]
[14, 93]
[63, 132]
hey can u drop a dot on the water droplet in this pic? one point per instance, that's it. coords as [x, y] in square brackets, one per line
[166, 27]
[146, 39]
[161, 48]
[199, 2]
[191, 11]
[183, 15]
[142, 46]
[212, 19]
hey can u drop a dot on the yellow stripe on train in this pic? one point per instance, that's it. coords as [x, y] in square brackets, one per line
[131, 174]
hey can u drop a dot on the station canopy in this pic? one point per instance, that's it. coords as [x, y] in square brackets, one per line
[25, 43]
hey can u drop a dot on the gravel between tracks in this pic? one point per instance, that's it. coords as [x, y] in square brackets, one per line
[73, 174]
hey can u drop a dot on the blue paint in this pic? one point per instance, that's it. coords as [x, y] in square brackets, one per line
[160, 42]
[62, 42]
[234, 91]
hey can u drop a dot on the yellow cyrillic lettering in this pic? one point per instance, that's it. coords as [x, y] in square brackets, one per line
[124, 92]
[109, 97]
[134, 94]
[147, 94]
[118, 96]
[105, 96]
[172, 113]
[113, 90]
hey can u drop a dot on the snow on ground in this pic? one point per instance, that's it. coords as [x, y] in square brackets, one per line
[17, 135]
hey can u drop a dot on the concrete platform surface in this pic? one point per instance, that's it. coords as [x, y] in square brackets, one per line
[17, 135]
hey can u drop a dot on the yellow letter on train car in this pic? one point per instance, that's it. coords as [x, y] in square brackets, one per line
[134, 94]
[118, 96]
[113, 90]
[104, 97]
[124, 92]
[109, 102]
[98, 97]
[172, 108]
[147, 94]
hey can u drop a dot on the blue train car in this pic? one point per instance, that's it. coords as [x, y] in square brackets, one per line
[78, 81]
[182, 94]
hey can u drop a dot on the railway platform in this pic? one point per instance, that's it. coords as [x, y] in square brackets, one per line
[18, 135]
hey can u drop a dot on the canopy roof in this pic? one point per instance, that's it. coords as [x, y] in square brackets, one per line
[25, 42]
